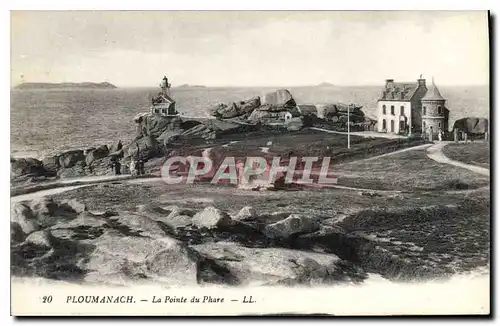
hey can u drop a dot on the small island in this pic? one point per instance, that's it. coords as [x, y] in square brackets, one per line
[190, 86]
[85, 85]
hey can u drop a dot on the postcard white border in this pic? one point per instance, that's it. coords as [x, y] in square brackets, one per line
[187, 5]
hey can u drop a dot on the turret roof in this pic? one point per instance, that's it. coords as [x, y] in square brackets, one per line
[432, 93]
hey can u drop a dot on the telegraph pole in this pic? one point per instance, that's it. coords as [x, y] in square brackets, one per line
[348, 128]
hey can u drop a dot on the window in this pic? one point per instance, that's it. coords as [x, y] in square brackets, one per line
[439, 124]
[402, 110]
[424, 125]
[425, 110]
[157, 110]
[384, 125]
[439, 110]
[392, 109]
[383, 110]
[392, 125]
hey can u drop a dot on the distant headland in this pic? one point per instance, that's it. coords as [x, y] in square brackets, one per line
[190, 86]
[87, 85]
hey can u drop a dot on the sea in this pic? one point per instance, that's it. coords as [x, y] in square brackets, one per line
[43, 121]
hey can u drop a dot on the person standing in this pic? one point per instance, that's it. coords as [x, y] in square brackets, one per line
[141, 167]
[440, 134]
[118, 168]
[132, 167]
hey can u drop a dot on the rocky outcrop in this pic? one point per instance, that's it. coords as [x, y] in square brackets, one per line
[26, 166]
[246, 213]
[63, 240]
[471, 125]
[95, 154]
[70, 158]
[51, 163]
[115, 147]
[212, 129]
[145, 147]
[292, 225]
[42, 213]
[272, 266]
[154, 125]
[280, 98]
[211, 218]
[337, 112]
[240, 109]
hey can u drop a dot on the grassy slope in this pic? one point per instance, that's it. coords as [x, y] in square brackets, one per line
[306, 143]
[472, 153]
[411, 170]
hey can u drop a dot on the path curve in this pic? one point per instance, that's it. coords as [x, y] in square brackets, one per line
[435, 152]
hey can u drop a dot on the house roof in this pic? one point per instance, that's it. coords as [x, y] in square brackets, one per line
[167, 98]
[432, 93]
[399, 91]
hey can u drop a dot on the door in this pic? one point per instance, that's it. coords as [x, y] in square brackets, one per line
[392, 125]
[402, 125]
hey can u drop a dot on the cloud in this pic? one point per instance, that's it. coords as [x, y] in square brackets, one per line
[249, 48]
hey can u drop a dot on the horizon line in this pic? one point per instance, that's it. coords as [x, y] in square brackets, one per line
[329, 85]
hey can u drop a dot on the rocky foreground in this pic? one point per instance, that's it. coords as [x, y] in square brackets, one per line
[170, 245]
[178, 245]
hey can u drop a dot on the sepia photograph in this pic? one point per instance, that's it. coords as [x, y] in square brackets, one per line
[250, 162]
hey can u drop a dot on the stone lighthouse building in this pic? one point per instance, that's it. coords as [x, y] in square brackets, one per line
[434, 113]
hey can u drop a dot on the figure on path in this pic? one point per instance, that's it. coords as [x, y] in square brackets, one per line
[132, 167]
[118, 167]
[141, 167]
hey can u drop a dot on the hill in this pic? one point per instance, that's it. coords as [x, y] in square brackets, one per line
[86, 85]
[190, 86]
[325, 84]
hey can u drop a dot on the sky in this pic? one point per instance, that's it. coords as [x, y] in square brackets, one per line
[274, 48]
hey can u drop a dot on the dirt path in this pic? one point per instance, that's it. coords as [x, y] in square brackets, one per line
[435, 152]
[414, 148]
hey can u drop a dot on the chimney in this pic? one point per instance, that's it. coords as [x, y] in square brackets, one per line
[388, 83]
[421, 81]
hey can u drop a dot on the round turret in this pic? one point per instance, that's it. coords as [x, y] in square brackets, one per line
[434, 112]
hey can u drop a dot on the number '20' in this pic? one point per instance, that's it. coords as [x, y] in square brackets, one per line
[47, 299]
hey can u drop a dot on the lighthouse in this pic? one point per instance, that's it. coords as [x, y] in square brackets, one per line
[163, 104]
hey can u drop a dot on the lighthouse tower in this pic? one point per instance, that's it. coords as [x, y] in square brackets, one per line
[434, 113]
[165, 86]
